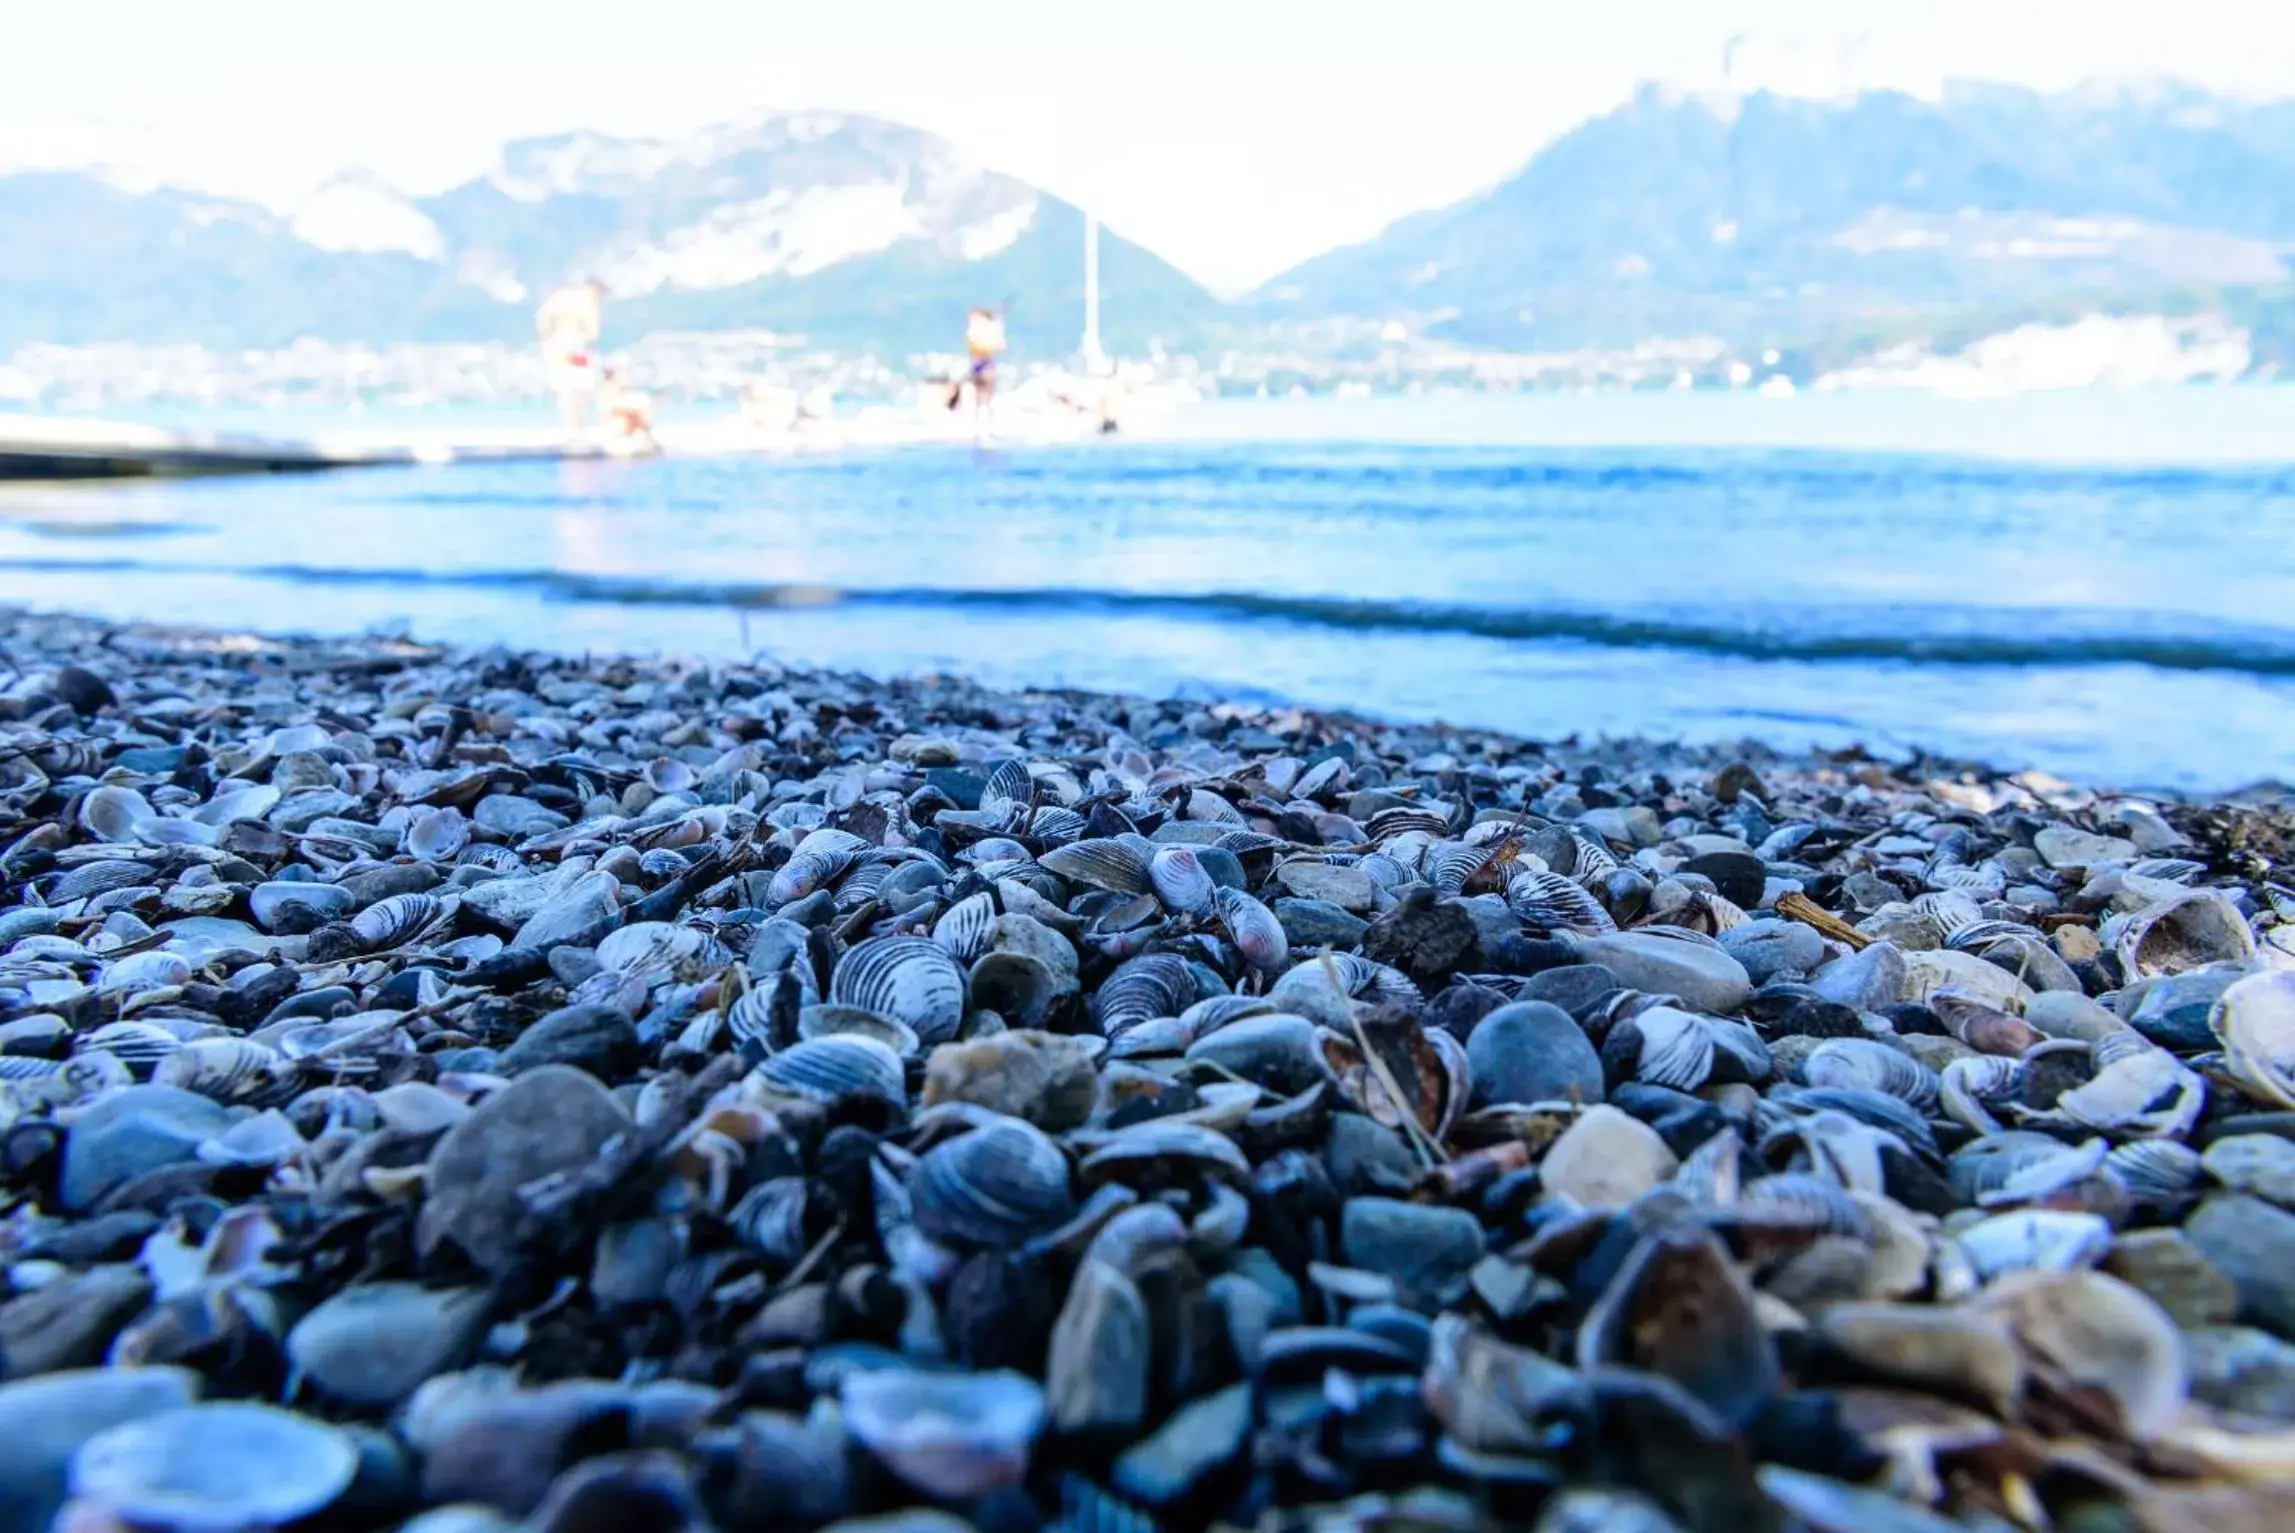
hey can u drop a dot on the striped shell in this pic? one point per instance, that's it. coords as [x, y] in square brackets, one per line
[1863, 1064]
[1452, 865]
[138, 1045]
[396, 920]
[157, 969]
[223, 1069]
[993, 1187]
[1181, 881]
[817, 862]
[1971, 1089]
[1254, 930]
[837, 1066]
[1983, 880]
[1548, 902]
[1009, 780]
[1118, 864]
[1141, 989]
[967, 927]
[911, 980]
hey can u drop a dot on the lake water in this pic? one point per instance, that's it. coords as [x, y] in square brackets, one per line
[2098, 585]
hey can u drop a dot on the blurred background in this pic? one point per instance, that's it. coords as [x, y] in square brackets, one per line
[1820, 373]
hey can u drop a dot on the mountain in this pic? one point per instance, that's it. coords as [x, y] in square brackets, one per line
[850, 231]
[1764, 217]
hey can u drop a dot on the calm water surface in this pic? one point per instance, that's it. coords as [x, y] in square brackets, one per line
[2127, 619]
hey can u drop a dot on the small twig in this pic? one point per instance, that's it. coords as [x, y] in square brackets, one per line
[1799, 907]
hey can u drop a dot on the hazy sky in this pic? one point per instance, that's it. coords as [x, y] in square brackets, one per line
[1234, 136]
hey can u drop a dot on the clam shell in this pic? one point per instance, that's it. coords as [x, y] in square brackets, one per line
[993, 1187]
[1118, 864]
[967, 927]
[1011, 781]
[1018, 988]
[112, 813]
[1970, 1089]
[224, 1464]
[2099, 1333]
[396, 920]
[1152, 985]
[2035, 1239]
[1254, 930]
[1666, 1046]
[956, 1436]
[436, 834]
[156, 969]
[2254, 1020]
[2195, 928]
[832, 1021]
[1180, 880]
[2156, 1172]
[1862, 1064]
[818, 861]
[840, 1065]
[224, 1069]
[1547, 902]
[911, 980]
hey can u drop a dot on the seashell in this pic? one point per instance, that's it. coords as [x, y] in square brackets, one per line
[2035, 1239]
[647, 947]
[1180, 880]
[298, 907]
[1152, 985]
[436, 834]
[967, 927]
[111, 813]
[1254, 930]
[1971, 1088]
[1987, 1163]
[1979, 881]
[156, 969]
[1679, 1308]
[1877, 1108]
[2157, 1173]
[991, 1187]
[819, 860]
[1018, 988]
[1401, 819]
[1452, 865]
[841, 1065]
[832, 1021]
[1306, 988]
[2098, 1333]
[770, 1218]
[2191, 930]
[1981, 1025]
[2254, 1020]
[223, 1464]
[223, 1069]
[1118, 864]
[240, 804]
[1547, 902]
[395, 921]
[1863, 1064]
[956, 1436]
[2138, 1090]
[1010, 781]
[2044, 1177]
[1666, 1046]
[1953, 910]
[1153, 1150]
[911, 980]
[1801, 1201]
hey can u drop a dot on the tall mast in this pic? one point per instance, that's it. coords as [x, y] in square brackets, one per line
[1095, 359]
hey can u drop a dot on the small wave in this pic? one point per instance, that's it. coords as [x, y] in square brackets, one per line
[1922, 636]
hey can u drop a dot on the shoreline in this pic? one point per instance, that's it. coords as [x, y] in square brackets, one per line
[611, 1089]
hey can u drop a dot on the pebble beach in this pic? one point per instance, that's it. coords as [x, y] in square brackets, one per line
[471, 1090]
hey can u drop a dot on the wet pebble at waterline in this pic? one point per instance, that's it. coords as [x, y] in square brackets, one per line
[484, 1091]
